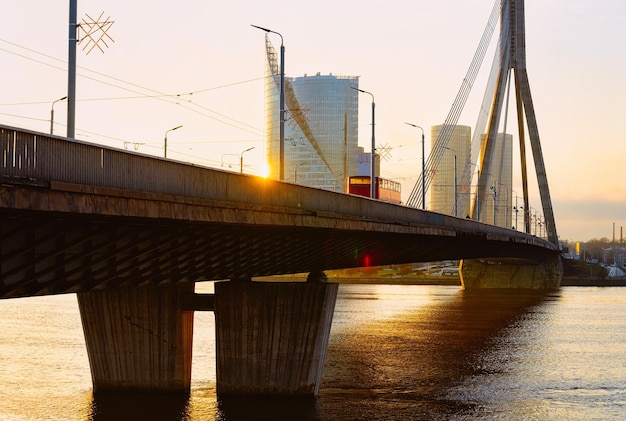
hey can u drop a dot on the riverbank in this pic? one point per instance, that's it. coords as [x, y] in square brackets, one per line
[365, 279]
[575, 273]
[578, 273]
[576, 282]
[400, 280]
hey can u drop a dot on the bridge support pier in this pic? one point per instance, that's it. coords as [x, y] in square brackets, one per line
[511, 273]
[272, 337]
[138, 339]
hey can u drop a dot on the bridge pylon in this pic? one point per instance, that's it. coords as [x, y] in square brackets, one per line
[513, 61]
[272, 337]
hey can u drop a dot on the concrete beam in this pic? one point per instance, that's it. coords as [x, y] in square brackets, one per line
[199, 302]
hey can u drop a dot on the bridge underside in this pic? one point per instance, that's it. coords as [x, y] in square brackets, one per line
[44, 252]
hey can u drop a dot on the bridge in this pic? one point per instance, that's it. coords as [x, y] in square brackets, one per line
[131, 234]
[78, 217]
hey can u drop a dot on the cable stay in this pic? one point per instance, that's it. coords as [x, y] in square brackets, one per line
[415, 198]
[510, 60]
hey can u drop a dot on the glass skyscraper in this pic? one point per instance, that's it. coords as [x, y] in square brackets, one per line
[321, 127]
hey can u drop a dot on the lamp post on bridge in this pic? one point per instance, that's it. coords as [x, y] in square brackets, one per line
[535, 219]
[71, 69]
[282, 102]
[241, 159]
[165, 140]
[456, 207]
[295, 173]
[423, 166]
[507, 214]
[52, 113]
[516, 208]
[532, 220]
[373, 157]
[493, 187]
[525, 212]
[506, 189]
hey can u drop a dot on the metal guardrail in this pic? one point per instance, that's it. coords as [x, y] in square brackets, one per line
[26, 154]
[41, 157]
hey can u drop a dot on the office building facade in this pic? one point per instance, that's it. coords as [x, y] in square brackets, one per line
[444, 197]
[321, 127]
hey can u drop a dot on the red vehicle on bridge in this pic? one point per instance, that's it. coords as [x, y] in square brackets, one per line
[386, 190]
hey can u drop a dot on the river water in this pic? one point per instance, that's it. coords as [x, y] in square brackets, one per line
[395, 353]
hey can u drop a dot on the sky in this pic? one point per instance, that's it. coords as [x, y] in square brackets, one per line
[200, 64]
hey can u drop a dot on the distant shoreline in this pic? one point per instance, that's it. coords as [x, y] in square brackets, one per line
[578, 282]
[430, 280]
[398, 280]
[435, 280]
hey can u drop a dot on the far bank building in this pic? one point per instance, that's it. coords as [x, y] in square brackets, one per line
[321, 127]
[448, 194]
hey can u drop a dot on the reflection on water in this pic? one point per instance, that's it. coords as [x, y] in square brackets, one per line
[138, 406]
[245, 409]
[403, 365]
[395, 352]
[564, 359]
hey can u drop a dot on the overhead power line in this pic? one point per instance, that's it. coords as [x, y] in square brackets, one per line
[415, 198]
[155, 94]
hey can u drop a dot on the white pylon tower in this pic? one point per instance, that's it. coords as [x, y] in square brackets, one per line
[513, 58]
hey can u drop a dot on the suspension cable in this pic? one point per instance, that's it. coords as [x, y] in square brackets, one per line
[415, 198]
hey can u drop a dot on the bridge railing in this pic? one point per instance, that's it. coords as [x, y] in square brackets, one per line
[42, 157]
[38, 156]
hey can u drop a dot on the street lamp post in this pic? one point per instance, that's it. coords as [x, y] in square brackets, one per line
[71, 70]
[165, 140]
[52, 113]
[282, 102]
[241, 159]
[477, 196]
[295, 173]
[494, 201]
[423, 167]
[506, 204]
[516, 209]
[373, 158]
[456, 207]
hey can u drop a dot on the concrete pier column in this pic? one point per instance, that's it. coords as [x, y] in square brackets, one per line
[544, 274]
[272, 337]
[138, 339]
